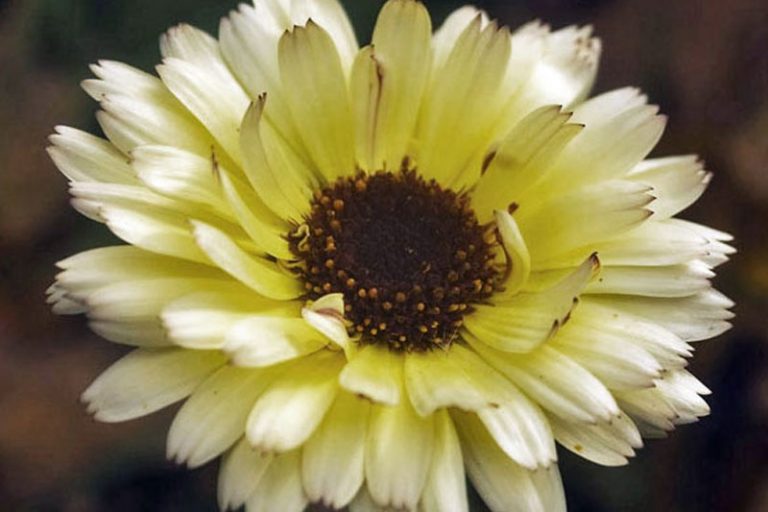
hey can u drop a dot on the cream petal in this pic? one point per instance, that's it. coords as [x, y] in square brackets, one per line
[504, 485]
[241, 470]
[374, 372]
[611, 143]
[452, 378]
[585, 215]
[139, 110]
[137, 199]
[266, 340]
[647, 407]
[145, 381]
[388, 82]
[316, 91]
[520, 429]
[129, 311]
[263, 276]
[328, 14]
[554, 381]
[698, 317]
[522, 159]
[201, 320]
[326, 315]
[364, 503]
[154, 230]
[654, 243]
[89, 270]
[332, 459]
[452, 28]
[462, 103]
[286, 192]
[179, 174]
[398, 455]
[445, 488]
[289, 411]
[567, 66]
[607, 355]
[522, 322]
[461, 379]
[280, 486]
[81, 156]
[677, 181]
[607, 444]
[519, 259]
[195, 72]
[265, 229]
[682, 391]
[663, 281]
[214, 417]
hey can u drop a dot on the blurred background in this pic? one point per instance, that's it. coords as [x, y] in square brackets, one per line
[704, 62]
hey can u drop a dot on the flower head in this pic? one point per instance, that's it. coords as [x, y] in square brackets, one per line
[370, 270]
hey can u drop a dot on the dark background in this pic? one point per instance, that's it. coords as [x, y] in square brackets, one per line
[704, 62]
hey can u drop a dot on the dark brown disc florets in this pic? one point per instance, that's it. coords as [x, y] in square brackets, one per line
[408, 255]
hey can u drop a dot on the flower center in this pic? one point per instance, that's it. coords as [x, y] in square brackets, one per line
[408, 255]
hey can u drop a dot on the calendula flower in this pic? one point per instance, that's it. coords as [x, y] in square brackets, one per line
[371, 270]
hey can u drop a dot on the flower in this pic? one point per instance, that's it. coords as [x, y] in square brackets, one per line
[371, 270]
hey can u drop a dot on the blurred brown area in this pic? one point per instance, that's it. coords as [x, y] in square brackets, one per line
[704, 62]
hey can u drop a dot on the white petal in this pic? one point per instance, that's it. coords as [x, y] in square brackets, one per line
[203, 319]
[522, 322]
[555, 382]
[398, 455]
[214, 416]
[681, 390]
[523, 158]
[154, 230]
[445, 488]
[241, 470]
[567, 67]
[462, 103]
[194, 70]
[665, 281]
[613, 141]
[608, 444]
[460, 378]
[316, 91]
[117, 309]
[698, 317]
[376, 373]
[677, 181]
[264, 228]
[180, 174]
[280, 486]
[294, 404]
[261, 275]
[449, 32]
[332, 460]
[584, 216]
[364, 503]
[284, 190]
[81, 156]
[147, 380]
[90, 270]
[503, 485]
[516, 251]
[654, 243]
[139, 110]
[326, 315]
[609, 357]
[270, 339]
[388, 81]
